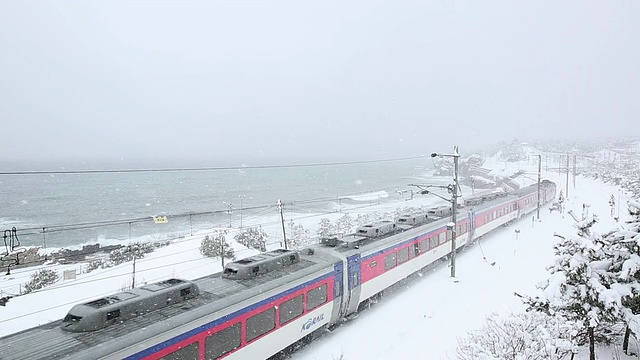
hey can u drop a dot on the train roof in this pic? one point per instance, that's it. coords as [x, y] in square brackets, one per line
[49, 341]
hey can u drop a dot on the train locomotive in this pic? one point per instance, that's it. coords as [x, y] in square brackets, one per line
[259, 306]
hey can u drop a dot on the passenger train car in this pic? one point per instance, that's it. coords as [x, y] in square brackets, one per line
[263, 304]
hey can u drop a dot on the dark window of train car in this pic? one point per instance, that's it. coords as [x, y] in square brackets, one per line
[185, 292]
[403, 255]
[416, 248]
[291, 309]
[189, 352]
[390, 261]
[113, 314]
[261, 324]
[317, 297]
[223, 342]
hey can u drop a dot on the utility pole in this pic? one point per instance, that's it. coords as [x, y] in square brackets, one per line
[284, 234]
[241, 205]
[454, 205]
[230, 211]
[574, 170]
[566, 195]
[454, 210]
[539, 175]
[222, 240]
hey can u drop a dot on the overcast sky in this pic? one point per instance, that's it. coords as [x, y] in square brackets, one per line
[262, 80]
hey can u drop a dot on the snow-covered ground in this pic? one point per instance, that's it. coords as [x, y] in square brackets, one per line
[424, 319]
[420, 320]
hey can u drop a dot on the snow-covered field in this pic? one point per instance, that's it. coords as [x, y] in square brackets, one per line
[421, 320]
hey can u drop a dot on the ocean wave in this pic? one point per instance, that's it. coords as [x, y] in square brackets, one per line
[376, 195]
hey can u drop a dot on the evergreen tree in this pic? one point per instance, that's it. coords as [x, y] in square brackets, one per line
[623, 248]
[325, 229]
[580, 286]
[214, 246]
[253, 238]
[299, 237]
[345, 225]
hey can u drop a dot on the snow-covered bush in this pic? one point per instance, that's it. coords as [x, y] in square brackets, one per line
[40, 279]
[214, 246]
[127, 253]
[98, 264]
[517, 336]
[253, 238]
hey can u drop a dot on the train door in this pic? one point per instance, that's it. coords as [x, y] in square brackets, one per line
[472, 227]
[353, 281]
[339, 301]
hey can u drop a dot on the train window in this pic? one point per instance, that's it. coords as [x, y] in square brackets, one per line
[443, 238]
[403, 255]
[189, 352]
[317, 297]
[416, 248]
[424, 245]
[223, 342]
[390, 261]
[291, 309]
[260, 324]
[337, 289]
[185, 292]
[113, 314]
[434, 242]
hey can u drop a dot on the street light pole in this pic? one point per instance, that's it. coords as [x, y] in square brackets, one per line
[454, 205]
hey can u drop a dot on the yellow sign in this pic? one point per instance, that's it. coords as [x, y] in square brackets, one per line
[160, 219]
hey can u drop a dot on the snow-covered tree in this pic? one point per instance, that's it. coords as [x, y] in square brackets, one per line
[214, 246]
[325, 229]
[518, 336]
[623, 247]
[581, 289]
[345, 225]
[253, 238]
[298, 237]
[363, 219]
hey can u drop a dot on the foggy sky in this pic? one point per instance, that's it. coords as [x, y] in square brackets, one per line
[260, 80]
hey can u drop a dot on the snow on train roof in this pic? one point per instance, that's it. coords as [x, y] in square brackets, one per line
[49, 341]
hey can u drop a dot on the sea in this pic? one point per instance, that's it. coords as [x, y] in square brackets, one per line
[68, 210]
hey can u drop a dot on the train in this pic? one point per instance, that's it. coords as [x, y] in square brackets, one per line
[265, 304]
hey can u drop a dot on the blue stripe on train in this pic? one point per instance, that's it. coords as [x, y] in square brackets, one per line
[217, 322]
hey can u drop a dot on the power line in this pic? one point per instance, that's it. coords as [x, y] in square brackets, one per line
[122, 171]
